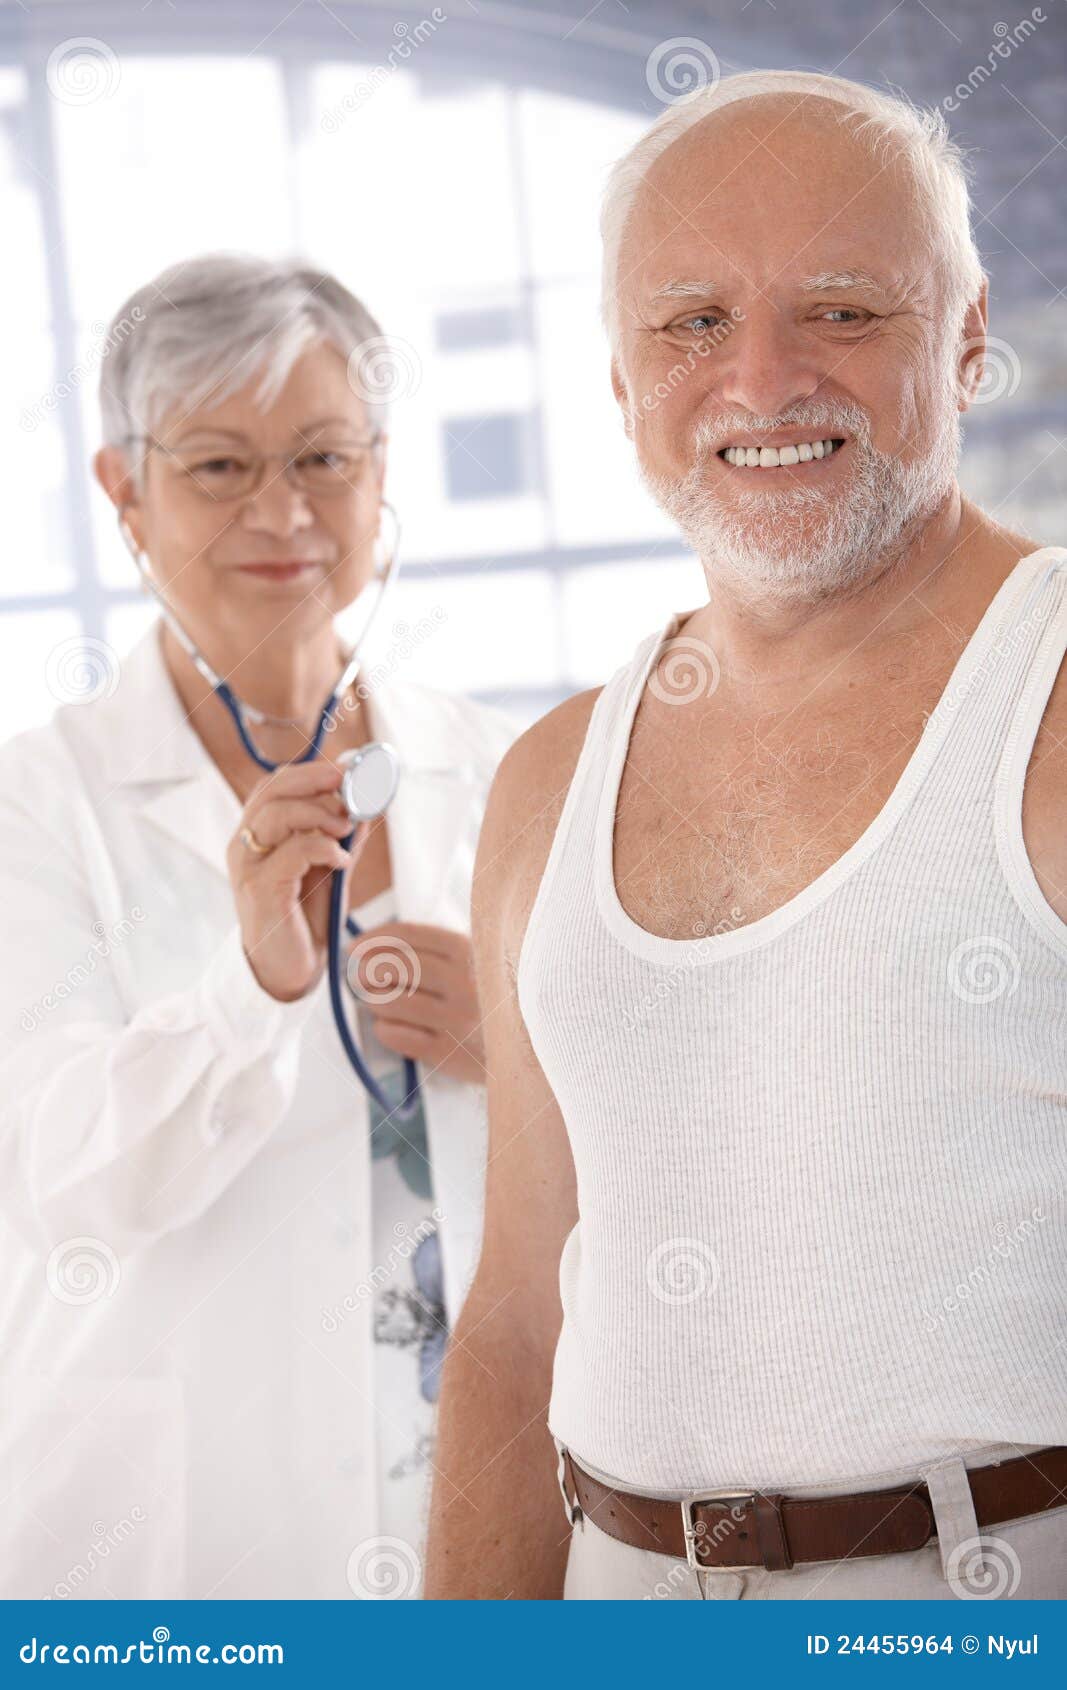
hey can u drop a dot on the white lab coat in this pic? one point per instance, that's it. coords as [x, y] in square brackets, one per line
[185, 1344]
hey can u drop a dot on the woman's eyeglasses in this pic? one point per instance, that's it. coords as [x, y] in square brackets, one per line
[319, 470]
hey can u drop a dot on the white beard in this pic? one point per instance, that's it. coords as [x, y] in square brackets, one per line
[799, 545]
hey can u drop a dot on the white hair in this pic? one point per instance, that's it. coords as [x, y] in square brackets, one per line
[204, 328]
[938, 163]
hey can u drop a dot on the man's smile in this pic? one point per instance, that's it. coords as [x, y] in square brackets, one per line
[754, 455]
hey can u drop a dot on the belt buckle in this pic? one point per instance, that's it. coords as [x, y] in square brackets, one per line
[689, 1527]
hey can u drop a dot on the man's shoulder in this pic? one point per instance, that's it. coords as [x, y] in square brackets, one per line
[529, 791]
[537, 769]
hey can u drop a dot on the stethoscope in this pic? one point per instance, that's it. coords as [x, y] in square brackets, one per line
[368, 786]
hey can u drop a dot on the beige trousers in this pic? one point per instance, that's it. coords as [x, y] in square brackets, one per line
[1022, 1560]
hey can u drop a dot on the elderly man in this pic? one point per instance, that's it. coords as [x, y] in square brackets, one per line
[773, 956]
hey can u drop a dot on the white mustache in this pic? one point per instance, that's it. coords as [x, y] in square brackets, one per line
[840, 419]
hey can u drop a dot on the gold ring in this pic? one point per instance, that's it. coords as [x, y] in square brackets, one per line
[251, 843]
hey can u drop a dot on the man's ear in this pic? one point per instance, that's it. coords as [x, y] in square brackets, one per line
[622, 394]
[112, 472]
[972, 352]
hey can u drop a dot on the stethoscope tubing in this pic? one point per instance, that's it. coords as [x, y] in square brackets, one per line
[339, 922]
[237, 711]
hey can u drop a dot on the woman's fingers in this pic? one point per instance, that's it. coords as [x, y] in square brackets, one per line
[424, 1009]
[302, 851]
[381, 968]
[280, 859]
[276, 819]
[408, 986]
[452, 947]
[439, 1050]
[422, 1044]
[297, 797]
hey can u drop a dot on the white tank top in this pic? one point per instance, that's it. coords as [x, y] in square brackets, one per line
[820, 1158]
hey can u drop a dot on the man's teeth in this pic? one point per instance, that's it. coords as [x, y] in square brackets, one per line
[770, 457]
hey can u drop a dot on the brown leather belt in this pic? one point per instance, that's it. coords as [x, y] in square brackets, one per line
[745, 1528]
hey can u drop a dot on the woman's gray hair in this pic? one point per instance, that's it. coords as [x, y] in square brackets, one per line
[938, 163]
[204, 328]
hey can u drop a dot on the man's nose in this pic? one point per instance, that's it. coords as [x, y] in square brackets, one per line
[769, 365]
[277, 506]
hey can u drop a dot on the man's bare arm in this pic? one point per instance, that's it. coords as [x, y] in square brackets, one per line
[497, 1527]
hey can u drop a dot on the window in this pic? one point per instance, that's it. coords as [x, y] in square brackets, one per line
[466, 331]
[464, 211]
[486, 457]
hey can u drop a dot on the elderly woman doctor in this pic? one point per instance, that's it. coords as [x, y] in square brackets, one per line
[228, 1271]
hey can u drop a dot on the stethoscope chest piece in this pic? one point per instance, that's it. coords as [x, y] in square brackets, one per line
[370, 780]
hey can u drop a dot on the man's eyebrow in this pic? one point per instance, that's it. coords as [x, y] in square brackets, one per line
[827, 279]
[684, 290]
[700, 289]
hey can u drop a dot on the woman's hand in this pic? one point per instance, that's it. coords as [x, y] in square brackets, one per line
[418, 982]
[283, 894]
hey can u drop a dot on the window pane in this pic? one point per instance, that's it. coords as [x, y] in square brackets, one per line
[467, 633]
[487, 457]
[37, 532]
[568, 146]
[183, 155]
[596, 492]
[127, 622]
[23, 285]
[475, 329]
[608, 609]
[44, 662]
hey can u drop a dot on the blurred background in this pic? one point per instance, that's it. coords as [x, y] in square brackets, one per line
[446, 162]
